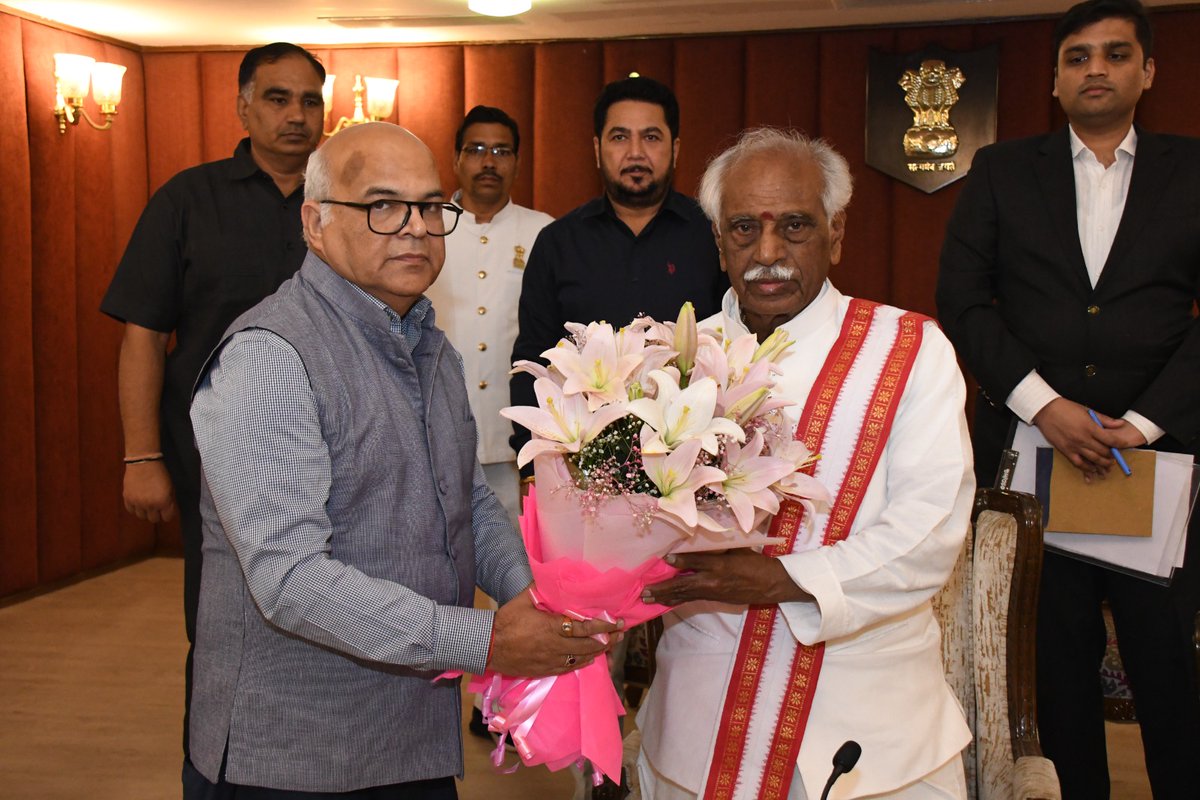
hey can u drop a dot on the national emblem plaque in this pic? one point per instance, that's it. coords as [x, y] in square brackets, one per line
[928, 112]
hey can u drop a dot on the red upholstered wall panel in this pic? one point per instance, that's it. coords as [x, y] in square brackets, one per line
[650, 58]
[568, 77]
[1170, 105]
[55, 335]
[221, 130]
[781, 88]
[70, 202]
[18, 476]
[430, 101]
[840, 82]
[709, 82]
[174, 114]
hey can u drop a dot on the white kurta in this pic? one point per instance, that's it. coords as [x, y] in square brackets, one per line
[882, 682]
[475, 298]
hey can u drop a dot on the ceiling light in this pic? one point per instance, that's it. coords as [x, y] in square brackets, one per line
[500, 8]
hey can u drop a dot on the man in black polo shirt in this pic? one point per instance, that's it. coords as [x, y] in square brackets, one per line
[640, 248]
[212, 242]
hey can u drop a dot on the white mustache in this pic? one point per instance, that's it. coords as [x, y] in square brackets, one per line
[769, 272]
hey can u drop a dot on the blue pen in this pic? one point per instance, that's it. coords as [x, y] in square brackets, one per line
[1116, 453]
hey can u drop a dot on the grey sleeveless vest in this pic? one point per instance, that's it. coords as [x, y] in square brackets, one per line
[304, 717]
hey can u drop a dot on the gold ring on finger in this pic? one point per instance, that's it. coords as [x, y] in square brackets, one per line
[567, 626]
[572, 661]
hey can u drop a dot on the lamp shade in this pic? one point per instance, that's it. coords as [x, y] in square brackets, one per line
[327, 91]
[500, 8]
[106, 83]
[381, 96]
[73, 72]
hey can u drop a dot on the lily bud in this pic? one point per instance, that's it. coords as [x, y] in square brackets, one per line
[685, 341]
[747, 407]
[773, 347]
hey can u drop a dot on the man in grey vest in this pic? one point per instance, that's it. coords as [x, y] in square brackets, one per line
[346, 517]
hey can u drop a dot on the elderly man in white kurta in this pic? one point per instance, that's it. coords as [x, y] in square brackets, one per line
[781, 657]
[476, 295]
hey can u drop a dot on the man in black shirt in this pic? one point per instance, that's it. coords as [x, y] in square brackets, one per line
[640, 248]
[212, 242]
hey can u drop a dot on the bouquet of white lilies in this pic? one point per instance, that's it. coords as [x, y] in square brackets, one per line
[670, 413]
[653, 439]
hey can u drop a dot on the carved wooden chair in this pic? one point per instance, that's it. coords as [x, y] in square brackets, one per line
[988, 612]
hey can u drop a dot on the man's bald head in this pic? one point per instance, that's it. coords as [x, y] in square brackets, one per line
[376, 164]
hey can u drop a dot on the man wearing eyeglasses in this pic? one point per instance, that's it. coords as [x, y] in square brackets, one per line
[476, 298]
[346, 517]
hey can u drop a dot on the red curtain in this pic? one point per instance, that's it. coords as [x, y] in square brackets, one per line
[70, 201]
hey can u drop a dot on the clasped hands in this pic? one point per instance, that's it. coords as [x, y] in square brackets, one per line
[1068, 427]
[533, 643]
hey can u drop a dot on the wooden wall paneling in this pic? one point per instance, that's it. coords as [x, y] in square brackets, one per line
[1169, 105]
[865, 269]
[710, 83]
[782, 80]
[18, 476]
[919, 219]
[174, 114]
[55, 337]
[222, 129]
[650, 58]
[429, 101]
[502, 76]
[567, 78]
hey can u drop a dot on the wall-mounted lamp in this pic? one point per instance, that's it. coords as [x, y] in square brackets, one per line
[500, 8]
[380, 95]
[72, 73]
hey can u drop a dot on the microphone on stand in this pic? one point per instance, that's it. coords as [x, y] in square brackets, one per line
[843, 761]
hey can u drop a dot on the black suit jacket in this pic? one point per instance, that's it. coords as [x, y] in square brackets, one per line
[1013, 291]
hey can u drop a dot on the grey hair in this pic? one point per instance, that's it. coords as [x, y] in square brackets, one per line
[318, 184]
[247, 92]
[838, 185]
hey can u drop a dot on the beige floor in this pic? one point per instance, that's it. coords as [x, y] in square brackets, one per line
[91, 688]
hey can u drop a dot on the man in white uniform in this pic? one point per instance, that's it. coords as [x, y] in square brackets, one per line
[840, 642]
[476, 295]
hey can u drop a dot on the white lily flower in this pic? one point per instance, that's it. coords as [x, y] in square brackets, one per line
[678, 478]
[749, 476]
[561, 423]
[675, 416]
[598, 370]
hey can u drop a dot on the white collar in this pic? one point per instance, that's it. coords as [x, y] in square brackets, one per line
[820, 312]
[1128, 145]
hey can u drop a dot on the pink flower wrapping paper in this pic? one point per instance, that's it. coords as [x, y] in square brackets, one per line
[586, 565]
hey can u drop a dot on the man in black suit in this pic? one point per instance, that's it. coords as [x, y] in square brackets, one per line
[1068, 280]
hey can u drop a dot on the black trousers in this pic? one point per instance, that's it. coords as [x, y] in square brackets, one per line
[1154, 626]
[197, 787]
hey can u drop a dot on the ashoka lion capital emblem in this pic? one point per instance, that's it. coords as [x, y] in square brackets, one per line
[931, 92]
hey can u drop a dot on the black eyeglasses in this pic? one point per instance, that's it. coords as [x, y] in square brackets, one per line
[480, 150]
[388, 217]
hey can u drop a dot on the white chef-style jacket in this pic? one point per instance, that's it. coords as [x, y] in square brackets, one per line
[882, 683]
[475, 298]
